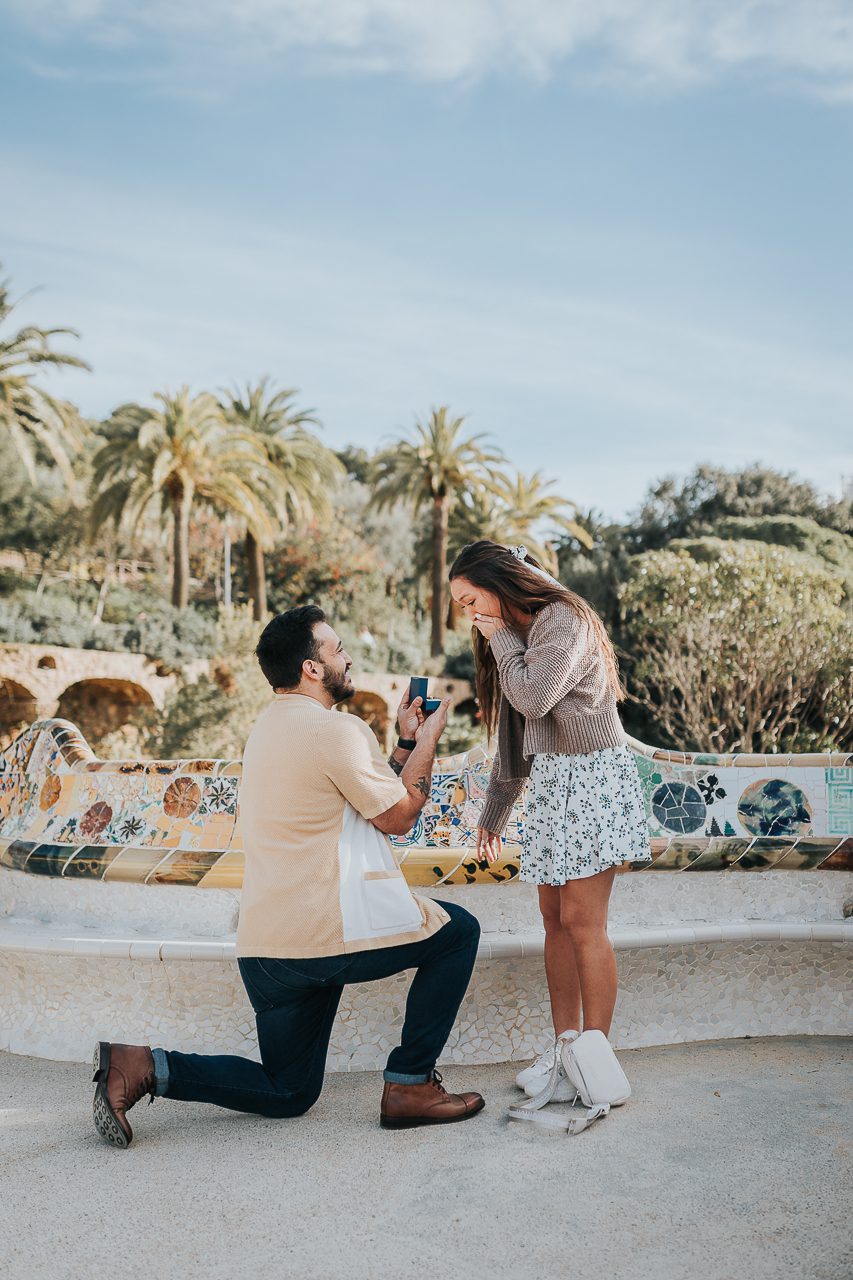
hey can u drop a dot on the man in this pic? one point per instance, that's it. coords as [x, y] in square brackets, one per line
[324, 903]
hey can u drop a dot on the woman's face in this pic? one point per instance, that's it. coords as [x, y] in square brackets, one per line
[473, 599]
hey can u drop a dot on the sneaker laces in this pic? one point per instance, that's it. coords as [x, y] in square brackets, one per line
[545, 1061]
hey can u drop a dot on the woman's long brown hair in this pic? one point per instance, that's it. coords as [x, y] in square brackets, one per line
[493, 567]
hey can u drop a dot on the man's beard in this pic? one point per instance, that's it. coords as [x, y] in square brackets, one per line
[338, 687]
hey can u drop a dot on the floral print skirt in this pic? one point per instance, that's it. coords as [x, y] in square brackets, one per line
[584, 813]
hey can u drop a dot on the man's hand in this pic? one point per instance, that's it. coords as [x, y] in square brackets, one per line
[489, 845]
[487, 624]
[416, 774]
[433, 726]
[410, 717]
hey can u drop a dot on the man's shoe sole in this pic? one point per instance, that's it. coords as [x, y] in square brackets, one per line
[414, 1122]
[106, 1121]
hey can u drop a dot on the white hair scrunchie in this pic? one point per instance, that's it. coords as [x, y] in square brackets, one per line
[520, 552]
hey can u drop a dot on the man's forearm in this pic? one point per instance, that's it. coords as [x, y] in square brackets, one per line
[416, 774]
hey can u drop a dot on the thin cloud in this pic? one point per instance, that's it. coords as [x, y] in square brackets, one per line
[665, 44]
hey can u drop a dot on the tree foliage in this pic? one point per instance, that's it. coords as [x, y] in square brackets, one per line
[35, 422]
[740, 646]
[301, 470]
[694, 506]
[167, 458]
[827, 547]
[517, 507]
[211, 717]
[729, 595]
[431, 471]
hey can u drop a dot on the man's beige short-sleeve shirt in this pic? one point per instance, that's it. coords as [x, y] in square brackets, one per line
[320, 879]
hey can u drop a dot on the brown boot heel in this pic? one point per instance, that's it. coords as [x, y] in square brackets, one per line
[122, 1074]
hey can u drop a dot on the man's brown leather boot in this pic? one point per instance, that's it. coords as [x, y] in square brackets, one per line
[124, 1073]
[406, 1105]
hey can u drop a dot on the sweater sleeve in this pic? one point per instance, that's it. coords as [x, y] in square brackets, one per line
[501, 797]
[559, 654]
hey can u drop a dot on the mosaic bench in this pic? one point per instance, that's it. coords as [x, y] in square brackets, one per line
[96, 937]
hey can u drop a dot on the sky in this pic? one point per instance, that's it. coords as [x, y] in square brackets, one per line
[615, 236]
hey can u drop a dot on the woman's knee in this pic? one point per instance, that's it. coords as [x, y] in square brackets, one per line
[551, 916]
[549, 906]
[580, 924]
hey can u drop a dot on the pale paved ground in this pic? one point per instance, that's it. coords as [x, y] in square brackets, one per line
[753, 1183]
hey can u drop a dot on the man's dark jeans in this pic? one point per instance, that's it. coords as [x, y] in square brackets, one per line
[295, 1003]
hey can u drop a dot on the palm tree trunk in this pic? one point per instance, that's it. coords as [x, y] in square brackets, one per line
[102, 596]
[226, 566]
[181, 506]
[440, 521]
[257, 577]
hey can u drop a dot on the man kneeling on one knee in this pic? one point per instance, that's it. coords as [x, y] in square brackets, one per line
[323, 904]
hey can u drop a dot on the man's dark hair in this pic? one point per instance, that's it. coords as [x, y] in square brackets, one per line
[286, 642]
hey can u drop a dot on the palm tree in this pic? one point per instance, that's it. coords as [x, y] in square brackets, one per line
[305, 471]
[524, 506]
[516, 509]
[435, 469]
[166, 459]
[31, 417]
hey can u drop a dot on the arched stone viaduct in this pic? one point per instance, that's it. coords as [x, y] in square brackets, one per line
[102, 691]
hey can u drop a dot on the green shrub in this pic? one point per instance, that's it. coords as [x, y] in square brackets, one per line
[211, 717]
[740, 646]
[174, 637]
[834, 550]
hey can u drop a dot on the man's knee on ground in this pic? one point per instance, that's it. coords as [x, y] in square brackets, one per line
[290, 1105]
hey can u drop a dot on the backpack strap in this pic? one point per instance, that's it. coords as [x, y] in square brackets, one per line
[571, 1124]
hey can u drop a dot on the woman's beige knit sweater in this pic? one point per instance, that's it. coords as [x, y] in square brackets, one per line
[555, 697]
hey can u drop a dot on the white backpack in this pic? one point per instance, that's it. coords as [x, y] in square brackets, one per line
[593, 1071]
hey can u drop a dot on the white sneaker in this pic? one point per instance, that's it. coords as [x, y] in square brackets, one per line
[564, 1092]
[538, 1070]
[534, 1078]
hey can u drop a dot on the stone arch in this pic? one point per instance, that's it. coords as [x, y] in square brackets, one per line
[104, 706]
[373, 710]
[18, 709]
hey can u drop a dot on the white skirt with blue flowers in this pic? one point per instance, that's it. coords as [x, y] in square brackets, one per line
[583, 814]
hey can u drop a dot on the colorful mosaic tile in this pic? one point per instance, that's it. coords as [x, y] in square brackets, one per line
[839, 788]
[65, 813]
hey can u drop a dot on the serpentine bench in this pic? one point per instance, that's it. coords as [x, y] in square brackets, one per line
[103, 932]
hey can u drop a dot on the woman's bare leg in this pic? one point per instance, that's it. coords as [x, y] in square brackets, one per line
[583, 914]
[560, 967]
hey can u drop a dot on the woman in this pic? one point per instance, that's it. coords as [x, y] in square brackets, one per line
[548, 681]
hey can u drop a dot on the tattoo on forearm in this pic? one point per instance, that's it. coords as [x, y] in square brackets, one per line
[422, 785]
[396, 766]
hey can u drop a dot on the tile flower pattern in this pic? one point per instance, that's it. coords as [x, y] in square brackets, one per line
[95, 819]
[182, 798]
[220, 796]
[130, 829]
[50, 792]
[177, 821]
